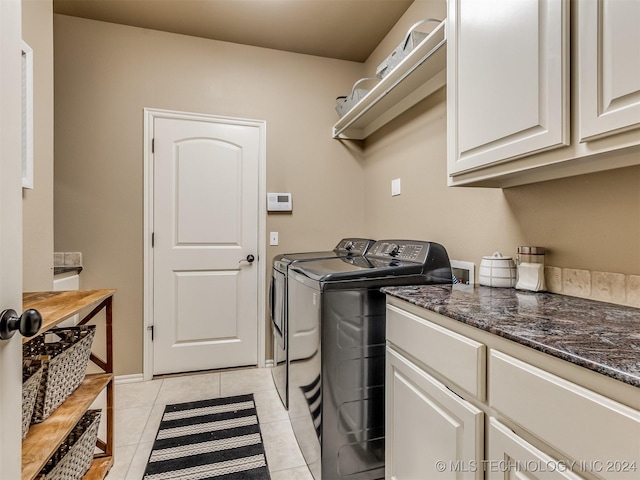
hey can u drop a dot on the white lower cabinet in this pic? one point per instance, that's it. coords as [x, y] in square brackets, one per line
[431, 433]
[601, 435]
[509, 456]
[539, 425]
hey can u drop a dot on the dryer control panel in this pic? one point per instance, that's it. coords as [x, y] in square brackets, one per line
[353, 246]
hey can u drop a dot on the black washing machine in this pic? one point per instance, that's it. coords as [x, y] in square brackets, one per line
[336, 377]
[347, 247]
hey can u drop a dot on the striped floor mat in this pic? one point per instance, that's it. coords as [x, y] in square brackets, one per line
[218, 439]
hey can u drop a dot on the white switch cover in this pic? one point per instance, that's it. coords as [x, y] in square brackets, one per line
[395, 187]
[273, 238]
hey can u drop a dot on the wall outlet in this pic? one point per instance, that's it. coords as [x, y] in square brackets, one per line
[273, 238]
[395, 187]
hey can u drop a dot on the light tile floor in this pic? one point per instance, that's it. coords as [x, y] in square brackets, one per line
[139, 408]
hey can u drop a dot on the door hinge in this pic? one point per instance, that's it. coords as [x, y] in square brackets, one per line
[150, 327]
[153, 239]
[153, 145]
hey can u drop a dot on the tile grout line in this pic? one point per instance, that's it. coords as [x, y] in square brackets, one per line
[126, 473]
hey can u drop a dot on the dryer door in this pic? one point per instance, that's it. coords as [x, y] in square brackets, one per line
[278, 312]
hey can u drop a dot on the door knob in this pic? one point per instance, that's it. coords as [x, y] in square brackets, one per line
[28, 323]
[250, 258]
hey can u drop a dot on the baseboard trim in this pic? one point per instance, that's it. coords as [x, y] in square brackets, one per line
[139, 377]
[133, 378]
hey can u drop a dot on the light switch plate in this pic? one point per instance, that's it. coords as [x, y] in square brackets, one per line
[273, 238]
[395, 187]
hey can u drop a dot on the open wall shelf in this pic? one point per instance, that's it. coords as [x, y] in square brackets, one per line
[421, 73]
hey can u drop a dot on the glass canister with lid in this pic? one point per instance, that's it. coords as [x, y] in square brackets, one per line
[530, 261]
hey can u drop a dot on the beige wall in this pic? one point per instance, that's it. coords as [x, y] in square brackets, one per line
[589, 222]
[37, 204]
[105, 75]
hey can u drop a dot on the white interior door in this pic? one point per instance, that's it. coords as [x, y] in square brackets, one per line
[205, 224]
[10, 234]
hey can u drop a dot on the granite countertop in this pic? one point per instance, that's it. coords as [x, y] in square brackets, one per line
[602, 337]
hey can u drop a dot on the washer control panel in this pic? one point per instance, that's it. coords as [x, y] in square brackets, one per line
[411, 251]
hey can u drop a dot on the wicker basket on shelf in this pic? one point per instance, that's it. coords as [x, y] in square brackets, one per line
[347, 102]
[68, 350]
[31, 375]
[74, 457]
[412, 39]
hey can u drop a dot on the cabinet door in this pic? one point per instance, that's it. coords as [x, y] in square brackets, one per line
[431, 433]
[509, 456]
[507, 80]
[582, 424]
[608, 66]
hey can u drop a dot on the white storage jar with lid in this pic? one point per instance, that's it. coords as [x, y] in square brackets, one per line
[498, 271]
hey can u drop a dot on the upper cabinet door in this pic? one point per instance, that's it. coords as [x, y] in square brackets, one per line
[608, 66]
[507, 80]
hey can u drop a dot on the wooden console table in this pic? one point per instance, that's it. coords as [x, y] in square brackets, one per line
[44, 438]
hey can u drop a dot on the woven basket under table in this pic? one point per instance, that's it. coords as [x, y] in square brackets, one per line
[74, 457]
[66, 368]
[31, 375]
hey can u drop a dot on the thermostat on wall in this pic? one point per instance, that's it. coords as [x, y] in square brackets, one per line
[279, 202]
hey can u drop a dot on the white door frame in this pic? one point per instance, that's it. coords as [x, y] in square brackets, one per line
[150, 115]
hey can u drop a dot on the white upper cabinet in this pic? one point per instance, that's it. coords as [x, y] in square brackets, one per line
[507, 80]
[537, 92]
[608, 66]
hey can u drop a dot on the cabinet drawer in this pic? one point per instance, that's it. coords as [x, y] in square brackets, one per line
[581, 424]
[454, 356]
[508, 454]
